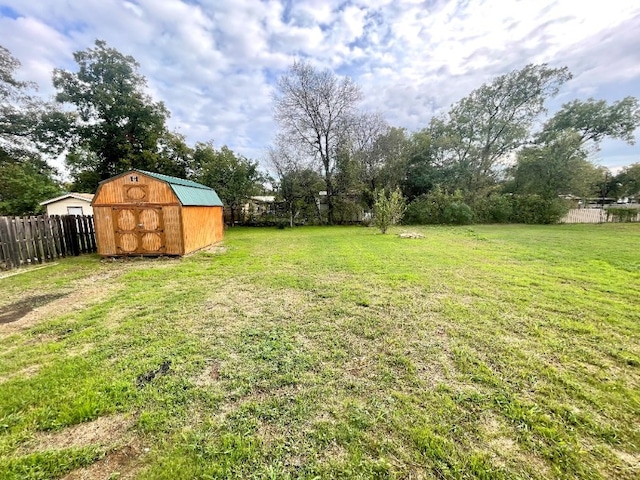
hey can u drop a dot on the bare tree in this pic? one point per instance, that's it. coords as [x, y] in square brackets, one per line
[313, 107]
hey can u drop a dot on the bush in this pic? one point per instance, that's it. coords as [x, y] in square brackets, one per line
[493, 209]
[439, 207]
[457, 213]
[388, 211]
[534, 209]
[623, 214]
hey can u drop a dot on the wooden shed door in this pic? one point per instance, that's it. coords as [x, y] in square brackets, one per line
[139, 230]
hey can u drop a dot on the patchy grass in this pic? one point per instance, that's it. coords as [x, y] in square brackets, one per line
[483, 352]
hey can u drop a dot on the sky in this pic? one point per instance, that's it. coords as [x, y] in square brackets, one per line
[215, 63]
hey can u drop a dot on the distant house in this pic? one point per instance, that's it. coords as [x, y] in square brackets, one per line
[70, 204]
[259, 205]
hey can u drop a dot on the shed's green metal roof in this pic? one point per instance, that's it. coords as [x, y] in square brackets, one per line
[196, 196]
[189, 193]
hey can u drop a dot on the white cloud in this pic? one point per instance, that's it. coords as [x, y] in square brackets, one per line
[214, 62]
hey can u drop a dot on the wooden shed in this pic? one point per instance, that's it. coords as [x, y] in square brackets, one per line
[145, 213]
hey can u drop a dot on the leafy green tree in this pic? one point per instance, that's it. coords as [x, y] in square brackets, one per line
[298, 183]
[388, 210]
[493, 121]
[25, 177]
[559, 167]
[628, 181]
[439, 207]
[25, 181]
[428, 165]
[383, 162]
[558, 162]
[175, 156]
[116, 125]
[234, 177]
[594, 120]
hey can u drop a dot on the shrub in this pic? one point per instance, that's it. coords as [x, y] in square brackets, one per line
[493, 209]
[388, 211]
[439, 207]
[623, 214]
[534, 209]
[457, 213]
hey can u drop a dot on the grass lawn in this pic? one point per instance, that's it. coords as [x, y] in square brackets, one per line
[476, 352]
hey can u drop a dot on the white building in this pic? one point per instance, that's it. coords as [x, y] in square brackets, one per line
[70, 204]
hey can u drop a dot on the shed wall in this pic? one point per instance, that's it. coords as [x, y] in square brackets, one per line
[173, 230]
[202, 226]
[106, 230]
[105, 235]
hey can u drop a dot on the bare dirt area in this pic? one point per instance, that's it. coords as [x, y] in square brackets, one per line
[124, 449]
[106, 431]
[17, 310]
[29, 310]
[123, 463]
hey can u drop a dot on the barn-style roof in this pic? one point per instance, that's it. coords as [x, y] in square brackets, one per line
[189, 193]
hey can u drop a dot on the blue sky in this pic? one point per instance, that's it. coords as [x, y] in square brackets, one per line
[214, 62]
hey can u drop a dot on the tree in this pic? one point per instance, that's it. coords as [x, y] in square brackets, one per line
[558, 162]
[298, 183]
[314, 108]
[628, 181]
[25, 177]
[389, 210]
[25, 181]
[116, 125]
[232, 176]
[424, 170]
[379, 152]
[594, 120]
[556, 168]
[494, 120]
[299, 188]
[388, 165]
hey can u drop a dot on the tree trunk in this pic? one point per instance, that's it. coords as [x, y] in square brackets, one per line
[291, 214]
[329, 186]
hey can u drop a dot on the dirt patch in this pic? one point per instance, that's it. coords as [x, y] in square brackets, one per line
[57, 304]
[123, 463]
[209, 376]
[17, 310]
[216, 249]
[633, 461]
[25, 373]
[107, 431]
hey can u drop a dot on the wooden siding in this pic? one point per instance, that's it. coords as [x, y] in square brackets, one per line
[173, 230]
[202, 226]
[134, 188]
[104, 230]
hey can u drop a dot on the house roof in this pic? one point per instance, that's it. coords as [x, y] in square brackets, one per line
[264, 198]
[85, 197]
[189, 193]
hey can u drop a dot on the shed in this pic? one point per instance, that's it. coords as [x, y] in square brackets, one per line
[69, 204]
[145, 213]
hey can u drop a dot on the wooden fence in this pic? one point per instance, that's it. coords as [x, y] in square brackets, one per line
[30, 240]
